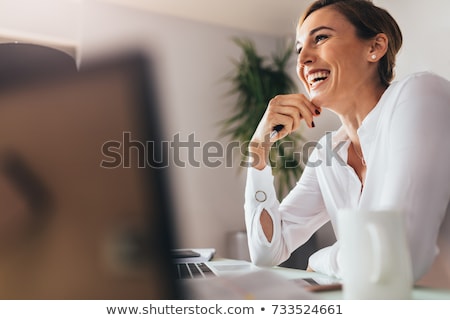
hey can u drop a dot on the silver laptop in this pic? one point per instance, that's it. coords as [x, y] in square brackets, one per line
[197, 263]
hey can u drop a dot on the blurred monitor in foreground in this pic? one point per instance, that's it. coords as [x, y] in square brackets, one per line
[81, 217]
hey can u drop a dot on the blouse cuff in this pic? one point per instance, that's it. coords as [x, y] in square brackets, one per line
[259, 188]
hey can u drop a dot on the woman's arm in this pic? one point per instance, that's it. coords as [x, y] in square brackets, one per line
[284, 112]
[289, 224]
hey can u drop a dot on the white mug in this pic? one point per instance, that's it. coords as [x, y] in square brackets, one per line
[374, 255]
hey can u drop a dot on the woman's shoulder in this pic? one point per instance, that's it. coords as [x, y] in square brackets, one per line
[421, 84]
[421, 75]
[423, 79]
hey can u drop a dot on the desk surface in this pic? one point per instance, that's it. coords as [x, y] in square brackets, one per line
[419, 293]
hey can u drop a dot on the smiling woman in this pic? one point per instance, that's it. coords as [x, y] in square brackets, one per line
[346, 58]
[361, 53]
[369, 21]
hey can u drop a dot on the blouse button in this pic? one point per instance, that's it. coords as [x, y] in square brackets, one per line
[260, 196]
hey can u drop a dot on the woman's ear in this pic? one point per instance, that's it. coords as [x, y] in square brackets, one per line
[378, 48]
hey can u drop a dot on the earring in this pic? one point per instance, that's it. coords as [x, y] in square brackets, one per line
[373, 57]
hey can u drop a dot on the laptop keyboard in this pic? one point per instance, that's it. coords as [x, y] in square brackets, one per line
[193, 270]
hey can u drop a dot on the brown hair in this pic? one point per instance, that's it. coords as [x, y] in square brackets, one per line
[369, 20]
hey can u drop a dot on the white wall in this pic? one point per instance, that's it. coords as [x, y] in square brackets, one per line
[193, 60]
[426, 30]
[49, 22]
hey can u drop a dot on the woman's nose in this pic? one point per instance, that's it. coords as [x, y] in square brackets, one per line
[305, 57]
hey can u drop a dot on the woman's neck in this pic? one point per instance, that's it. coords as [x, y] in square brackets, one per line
[355, 111]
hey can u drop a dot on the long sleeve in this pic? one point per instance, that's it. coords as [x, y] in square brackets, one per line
[299, 215]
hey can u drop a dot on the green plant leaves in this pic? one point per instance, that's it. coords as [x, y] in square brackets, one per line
[255, 80]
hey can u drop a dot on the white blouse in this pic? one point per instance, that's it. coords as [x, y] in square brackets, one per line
[405, 142]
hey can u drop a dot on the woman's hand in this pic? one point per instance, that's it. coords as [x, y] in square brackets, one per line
[285, 111]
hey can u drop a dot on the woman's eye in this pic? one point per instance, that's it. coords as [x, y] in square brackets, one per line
[298, 49]
[320, 37]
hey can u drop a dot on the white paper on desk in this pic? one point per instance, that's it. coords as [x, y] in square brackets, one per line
[256, 285]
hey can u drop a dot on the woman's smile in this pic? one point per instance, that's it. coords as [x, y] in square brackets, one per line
[317, 78]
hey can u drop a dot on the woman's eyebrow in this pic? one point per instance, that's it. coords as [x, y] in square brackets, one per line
[313, 31]
[319, 29]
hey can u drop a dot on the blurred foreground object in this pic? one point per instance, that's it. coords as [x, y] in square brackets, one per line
[26, 62]
[70, 228]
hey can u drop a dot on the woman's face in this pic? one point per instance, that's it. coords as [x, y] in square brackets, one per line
[333, 63]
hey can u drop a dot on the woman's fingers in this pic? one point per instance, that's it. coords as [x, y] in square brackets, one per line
[285, 124]
[301, 99]
[296, 106]
[285, 113]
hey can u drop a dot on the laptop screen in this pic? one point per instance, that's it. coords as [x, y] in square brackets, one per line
[84, 213]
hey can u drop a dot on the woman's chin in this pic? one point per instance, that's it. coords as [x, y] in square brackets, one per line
[318, 100]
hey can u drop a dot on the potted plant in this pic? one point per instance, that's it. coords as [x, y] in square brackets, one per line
[255, 80]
